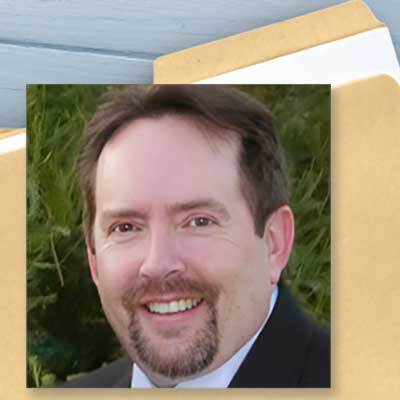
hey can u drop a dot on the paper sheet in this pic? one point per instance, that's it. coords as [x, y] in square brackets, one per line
[356, 57]
[12, 143]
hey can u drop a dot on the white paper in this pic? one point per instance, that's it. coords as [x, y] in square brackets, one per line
[355, 57]
[12, 143]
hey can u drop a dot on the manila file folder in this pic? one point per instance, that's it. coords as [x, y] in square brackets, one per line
[365, 182]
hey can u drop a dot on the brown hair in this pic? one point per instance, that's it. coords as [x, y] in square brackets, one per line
[262, 166]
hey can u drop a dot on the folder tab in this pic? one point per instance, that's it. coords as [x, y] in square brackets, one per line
[266, 43]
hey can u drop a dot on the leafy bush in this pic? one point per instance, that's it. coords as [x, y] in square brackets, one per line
[67, 331]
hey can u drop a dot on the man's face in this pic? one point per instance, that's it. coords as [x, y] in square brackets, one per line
[182, 276]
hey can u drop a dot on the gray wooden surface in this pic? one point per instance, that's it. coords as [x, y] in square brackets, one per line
[116, 41]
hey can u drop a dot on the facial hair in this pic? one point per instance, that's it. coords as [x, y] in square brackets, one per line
[181, 361]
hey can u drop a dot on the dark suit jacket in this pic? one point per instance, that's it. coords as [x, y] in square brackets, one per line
[291, 351]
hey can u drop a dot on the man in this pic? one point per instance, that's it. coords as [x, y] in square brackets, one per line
[188, 230]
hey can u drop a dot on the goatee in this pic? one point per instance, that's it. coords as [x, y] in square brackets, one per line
[181, 360]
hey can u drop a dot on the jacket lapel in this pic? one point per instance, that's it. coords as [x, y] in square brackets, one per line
[277, 357]
[124, 381]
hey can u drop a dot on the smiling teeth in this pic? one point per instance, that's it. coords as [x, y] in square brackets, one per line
[173, 306]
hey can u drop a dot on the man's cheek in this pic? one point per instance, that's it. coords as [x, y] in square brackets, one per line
[117, 271]
[210, 249]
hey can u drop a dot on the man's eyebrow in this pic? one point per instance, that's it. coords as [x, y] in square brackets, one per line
[207, 203]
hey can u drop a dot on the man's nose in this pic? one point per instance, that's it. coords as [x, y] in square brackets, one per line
[161, 258]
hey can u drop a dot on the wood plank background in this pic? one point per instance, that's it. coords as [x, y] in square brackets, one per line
[116, 41]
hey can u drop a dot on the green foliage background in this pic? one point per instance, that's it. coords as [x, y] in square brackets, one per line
[67, 331]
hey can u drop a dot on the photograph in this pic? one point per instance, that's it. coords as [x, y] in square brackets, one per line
[178, 236]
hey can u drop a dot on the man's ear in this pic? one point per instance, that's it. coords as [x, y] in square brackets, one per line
[279, 235]
[92, 262]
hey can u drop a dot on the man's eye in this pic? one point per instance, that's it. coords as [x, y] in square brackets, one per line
[121, 228]
[200, 222]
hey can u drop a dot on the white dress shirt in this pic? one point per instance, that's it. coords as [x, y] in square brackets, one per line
[220, 377]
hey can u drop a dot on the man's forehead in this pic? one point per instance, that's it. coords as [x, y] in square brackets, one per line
[165, 145]
[164, 161]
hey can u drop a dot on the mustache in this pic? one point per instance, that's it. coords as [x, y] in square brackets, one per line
[148, 288]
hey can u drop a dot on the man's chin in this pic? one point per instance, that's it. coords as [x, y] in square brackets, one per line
[169, 368]
[174, 352]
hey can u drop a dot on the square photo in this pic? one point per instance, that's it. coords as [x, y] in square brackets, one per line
[178, 236]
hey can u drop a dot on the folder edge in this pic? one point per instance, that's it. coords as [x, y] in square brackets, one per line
[383, 79]
[265, 43]
[5, 132]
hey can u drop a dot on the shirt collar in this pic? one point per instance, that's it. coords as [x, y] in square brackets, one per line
[220, 377]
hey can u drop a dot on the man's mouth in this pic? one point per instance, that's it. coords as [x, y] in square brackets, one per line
[175, 306]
